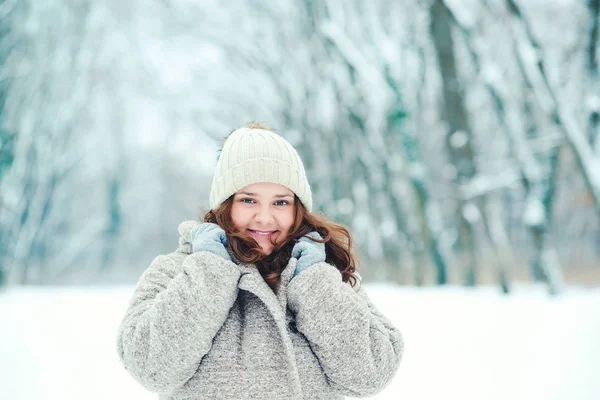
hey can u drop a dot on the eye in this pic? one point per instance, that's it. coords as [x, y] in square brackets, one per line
[247, 200]
[281, 203]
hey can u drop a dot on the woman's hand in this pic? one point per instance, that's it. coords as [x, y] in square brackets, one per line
[308, 252]
[212, 238]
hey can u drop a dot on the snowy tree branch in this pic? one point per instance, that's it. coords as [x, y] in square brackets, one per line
[529, 52]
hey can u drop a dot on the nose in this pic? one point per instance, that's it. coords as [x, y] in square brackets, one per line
[264, 216]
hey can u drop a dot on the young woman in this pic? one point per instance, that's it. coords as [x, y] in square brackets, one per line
[262, 299]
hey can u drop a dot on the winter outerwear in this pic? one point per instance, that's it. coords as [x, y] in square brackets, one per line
[202, 327]
[308, 252]
[252, 155]
[210, 237]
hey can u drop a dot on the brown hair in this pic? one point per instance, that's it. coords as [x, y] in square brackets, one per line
[337, 239]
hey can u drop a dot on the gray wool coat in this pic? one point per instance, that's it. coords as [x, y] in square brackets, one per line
[202, 327]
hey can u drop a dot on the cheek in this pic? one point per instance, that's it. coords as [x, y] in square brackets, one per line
[286, 221]
[239, 217]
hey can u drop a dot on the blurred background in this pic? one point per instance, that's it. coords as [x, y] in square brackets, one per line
[459, 140]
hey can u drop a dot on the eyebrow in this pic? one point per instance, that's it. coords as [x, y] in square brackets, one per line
[277, 196]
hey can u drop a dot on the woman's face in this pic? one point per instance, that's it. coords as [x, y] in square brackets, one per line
[265, 211]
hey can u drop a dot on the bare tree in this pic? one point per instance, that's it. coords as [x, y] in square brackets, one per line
[416, 135]
[545, 265]
[77, 194]
[459, 140]
[593, 99]
[530, 55]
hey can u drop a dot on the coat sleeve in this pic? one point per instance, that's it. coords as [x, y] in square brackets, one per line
[358, 348]
[178, 306]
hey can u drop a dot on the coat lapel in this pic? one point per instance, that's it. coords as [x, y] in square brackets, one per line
[253, 282]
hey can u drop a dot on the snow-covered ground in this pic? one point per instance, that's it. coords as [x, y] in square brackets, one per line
[59, 343]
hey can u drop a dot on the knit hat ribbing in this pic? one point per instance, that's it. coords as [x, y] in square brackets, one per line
[253, 155]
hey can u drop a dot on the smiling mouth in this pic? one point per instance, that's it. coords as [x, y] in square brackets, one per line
[261, 233]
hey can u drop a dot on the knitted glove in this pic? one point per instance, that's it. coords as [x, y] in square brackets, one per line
[210, 237]
[308, 252]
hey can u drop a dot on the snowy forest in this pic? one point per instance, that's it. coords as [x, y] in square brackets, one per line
[459, 140]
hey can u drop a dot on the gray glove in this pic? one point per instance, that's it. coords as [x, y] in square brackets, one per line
[210, 237]
[308, 252]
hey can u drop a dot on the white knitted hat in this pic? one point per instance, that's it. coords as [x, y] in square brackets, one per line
[252, 155]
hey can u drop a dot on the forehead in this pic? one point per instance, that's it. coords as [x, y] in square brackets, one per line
[266, 189]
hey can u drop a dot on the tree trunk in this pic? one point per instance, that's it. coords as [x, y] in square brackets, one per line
[458, 134]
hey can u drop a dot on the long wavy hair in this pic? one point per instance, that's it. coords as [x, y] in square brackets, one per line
[338, 243]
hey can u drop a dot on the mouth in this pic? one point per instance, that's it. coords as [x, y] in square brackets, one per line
[261, 234]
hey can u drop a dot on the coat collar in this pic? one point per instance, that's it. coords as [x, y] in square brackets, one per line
[252, 281]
